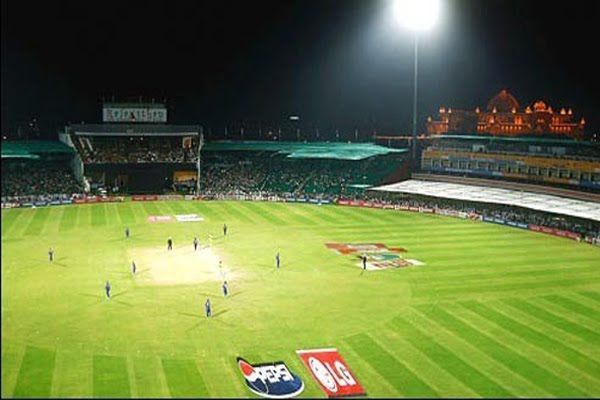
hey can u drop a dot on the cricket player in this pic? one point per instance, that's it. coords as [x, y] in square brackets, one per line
[224, 229]
[51, 254]
[207, 308]
[133, 267]
[364, 261]
[107, 289]
[196, 243]
[127, 232]
[169, 243]
[277, 260]
[225, 289]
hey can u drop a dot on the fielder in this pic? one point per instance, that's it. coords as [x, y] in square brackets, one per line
[107, 289]
[133, 267]
[196, 243]
[225, 289]
[51, 254]
[127, 232]
[224, 229]
[207, 308]
[169, 243]
[277, 260]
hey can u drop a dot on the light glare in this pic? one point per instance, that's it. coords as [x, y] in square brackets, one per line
[417, 15]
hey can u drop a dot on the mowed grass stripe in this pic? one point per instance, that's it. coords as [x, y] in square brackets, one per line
[73, 374]
[296, 213]
[8, 219]
[183, 378]
[176, 207]
[573, 306]
[503, 354]
[254, 210]
[553, 319]
[535, 338]
[149, 377]
[450, 362]
[326, 213]
[553, 365]
[150, 208]
[36, 225]
[12, 358]
[204, 209]
[126, 213]
[504, 287]
[36, 373]
[591, 295]
[391, 369]
[477, 358]
[233, 210]
[68, 220]
[111, 378]
[98, 215]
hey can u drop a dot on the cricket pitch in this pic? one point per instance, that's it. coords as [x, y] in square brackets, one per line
[180, 266]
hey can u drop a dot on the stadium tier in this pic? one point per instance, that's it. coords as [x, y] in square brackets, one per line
[554, 162]
[38, 171]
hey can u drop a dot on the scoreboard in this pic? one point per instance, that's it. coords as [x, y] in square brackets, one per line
[132, 113]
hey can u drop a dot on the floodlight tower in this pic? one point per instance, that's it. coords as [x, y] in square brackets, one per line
[417, 16]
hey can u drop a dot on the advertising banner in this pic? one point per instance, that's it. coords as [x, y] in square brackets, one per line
[273, 380]
[159, 218]
[188, 218]
[555, 232]
[331, 372]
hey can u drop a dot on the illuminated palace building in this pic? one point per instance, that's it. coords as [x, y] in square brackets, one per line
[535, 145]
[503, 117]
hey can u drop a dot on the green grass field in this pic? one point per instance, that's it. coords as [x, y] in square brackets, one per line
[496, 311]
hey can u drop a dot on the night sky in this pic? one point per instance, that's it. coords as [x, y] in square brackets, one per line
[337, 64]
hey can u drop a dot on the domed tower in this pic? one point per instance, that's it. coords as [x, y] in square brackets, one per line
[503, 102]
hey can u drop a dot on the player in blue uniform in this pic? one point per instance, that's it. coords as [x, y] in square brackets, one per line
[107, 289]
[207, 308]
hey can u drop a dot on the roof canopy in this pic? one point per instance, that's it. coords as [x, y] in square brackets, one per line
[134, 130]
[32, 149]
[485, 194]
[312, 150]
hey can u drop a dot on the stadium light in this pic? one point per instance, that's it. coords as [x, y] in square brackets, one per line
[416, 16]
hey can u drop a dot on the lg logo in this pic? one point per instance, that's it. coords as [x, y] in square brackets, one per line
[329, 376]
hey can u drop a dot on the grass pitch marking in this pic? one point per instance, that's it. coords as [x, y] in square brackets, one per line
[180, 266]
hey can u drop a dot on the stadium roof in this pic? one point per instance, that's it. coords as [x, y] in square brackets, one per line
[325, 150]
[521, 139]
[535, 201]
[32, 149]
[134, 130]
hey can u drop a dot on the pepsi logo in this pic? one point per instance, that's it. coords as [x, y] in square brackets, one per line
[270, 380]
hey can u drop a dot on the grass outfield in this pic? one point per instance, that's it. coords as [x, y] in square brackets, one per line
[496, 311]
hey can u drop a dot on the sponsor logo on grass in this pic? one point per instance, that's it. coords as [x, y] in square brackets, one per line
[271, 380]
[159, 218]
[379, 256]
[188, 218]
[331, 372]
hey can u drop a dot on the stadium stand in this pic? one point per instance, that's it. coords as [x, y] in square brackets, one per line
[558, 162]
[317, 170]
[38, 171]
